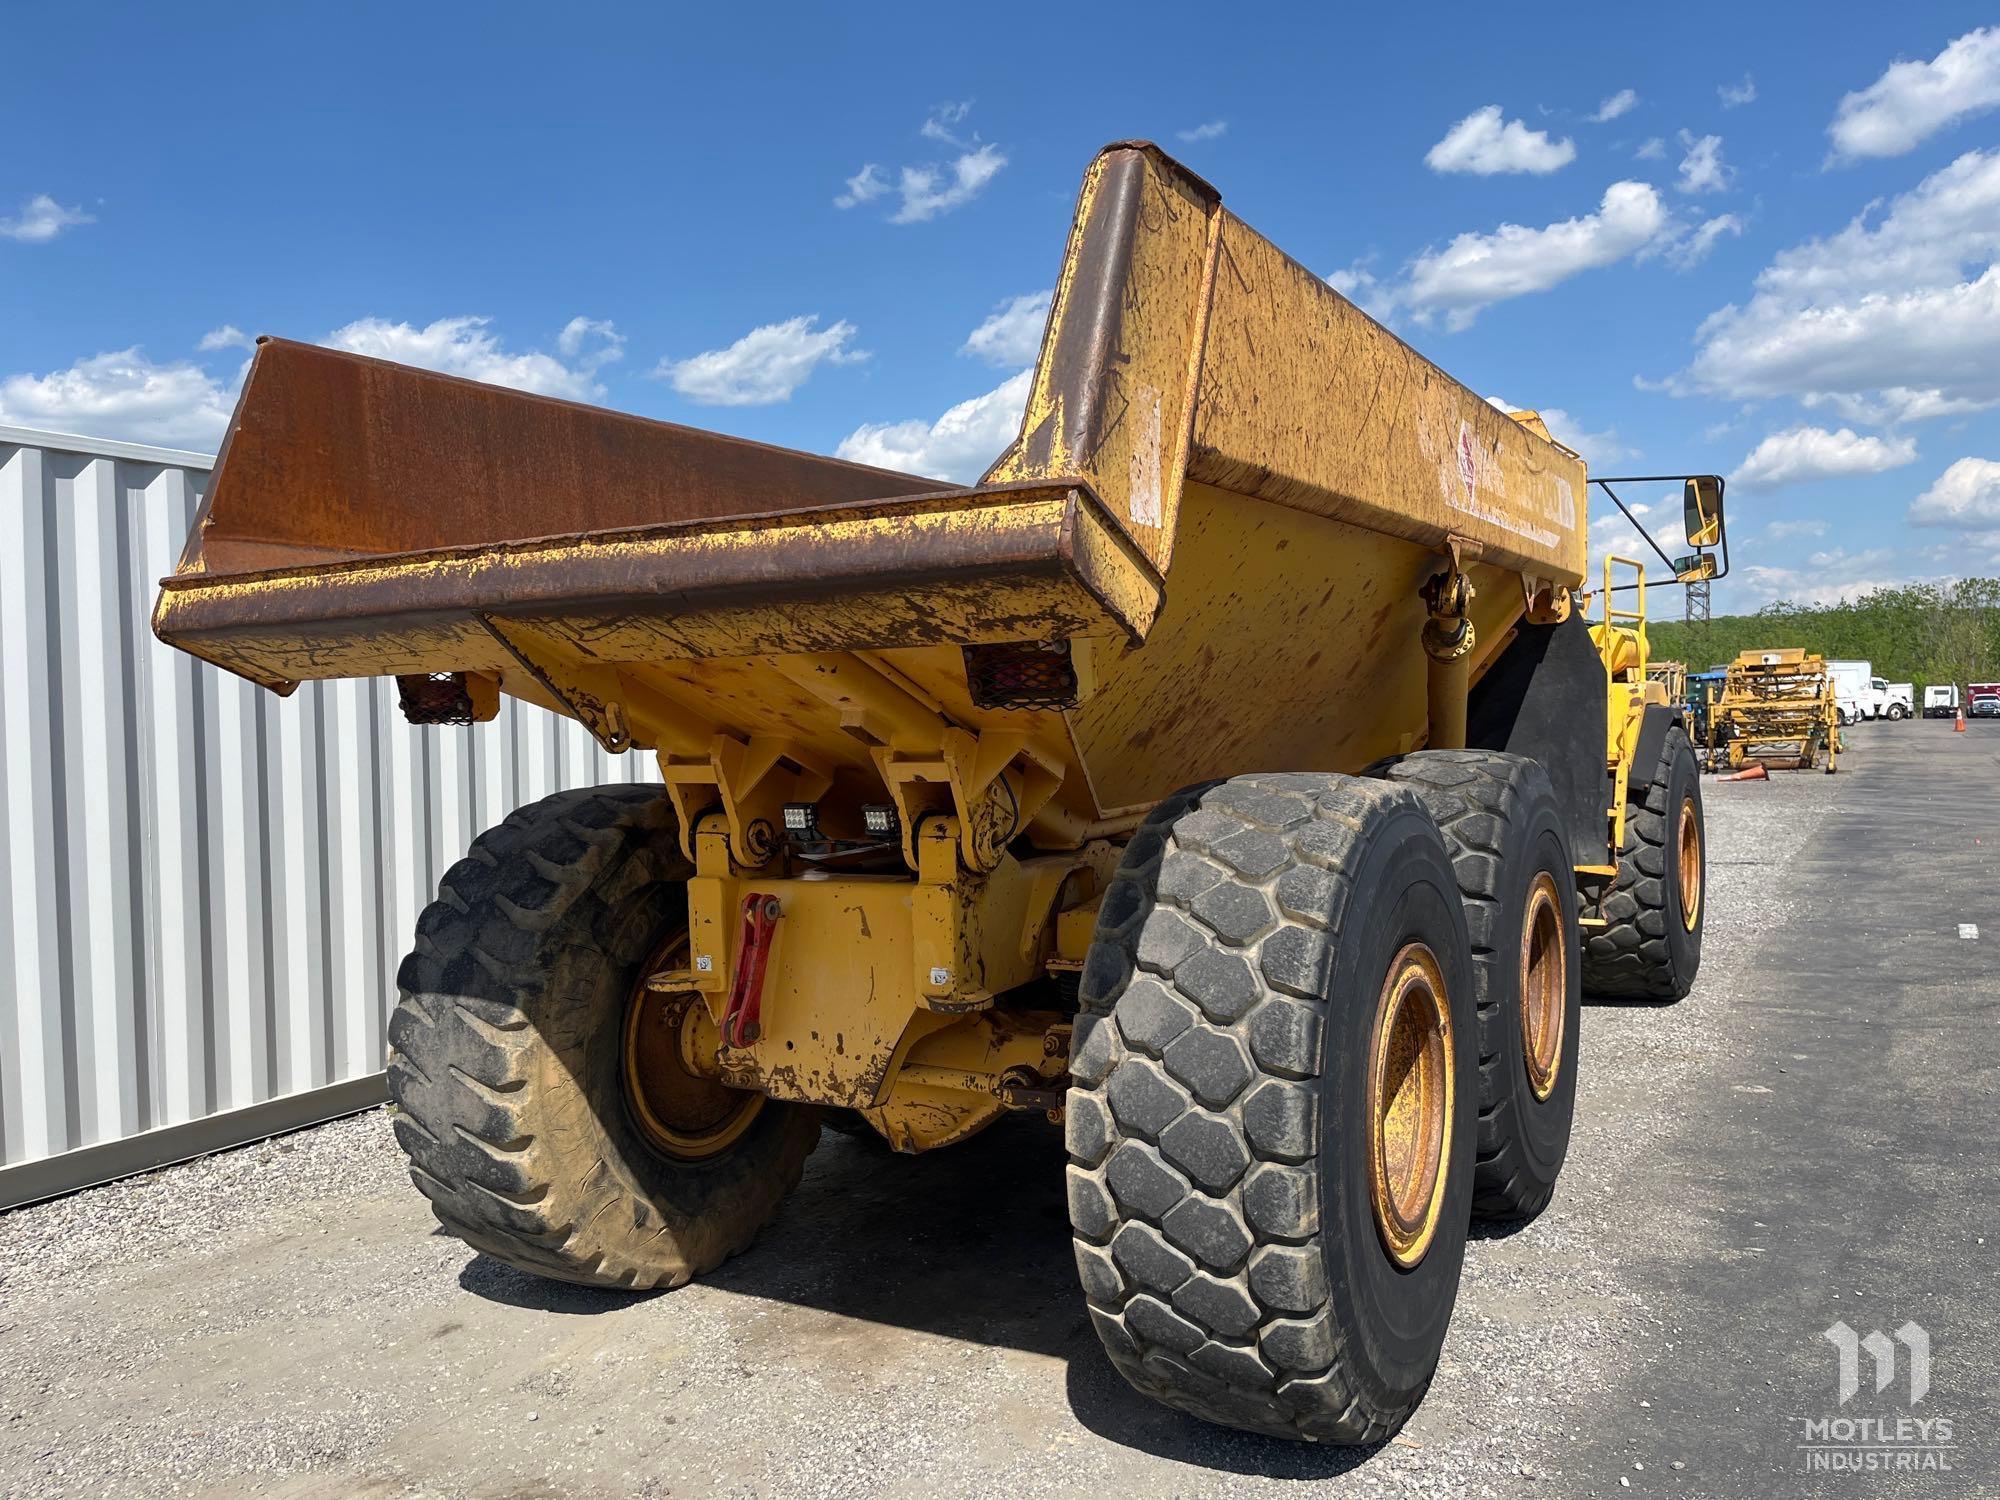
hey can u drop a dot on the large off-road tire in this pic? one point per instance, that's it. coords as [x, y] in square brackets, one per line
[1500, 822]
[507, 1060]
[1650, 947]
[1267, 1235]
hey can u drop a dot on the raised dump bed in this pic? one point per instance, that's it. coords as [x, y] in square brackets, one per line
[1154, 784]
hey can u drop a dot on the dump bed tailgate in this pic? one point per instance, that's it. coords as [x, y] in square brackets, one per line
[371, 518]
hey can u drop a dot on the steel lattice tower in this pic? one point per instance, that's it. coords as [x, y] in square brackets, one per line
[1697, 603]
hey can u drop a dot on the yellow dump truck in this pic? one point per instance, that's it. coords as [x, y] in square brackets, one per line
[1779, 708]
[1232, 776]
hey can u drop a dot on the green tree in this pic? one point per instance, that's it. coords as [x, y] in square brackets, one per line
[1920, 633]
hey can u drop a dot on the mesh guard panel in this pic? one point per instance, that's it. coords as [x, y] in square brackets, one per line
[1021, 674]
[436, 698]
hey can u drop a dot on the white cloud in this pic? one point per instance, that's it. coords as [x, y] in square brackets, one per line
[126, 395]
[40, 220]
[1482, 143]
[1613, 532]
[1651, 149]
[764, 366]
[930, 191]
[463, 346]
[1914, 100]
[1476, 270]
[934, 188]
[1801, 455]
[1895, 319]
[864, 186]
[1785, 531]
[578, 334]
[1597, 448]
[122, 395]
[1966, 495]
[1929, 235]
[1687, 253]
[957, 447]
[938, 127]
[1365, 290]
[1825, 578]
[1012, 335]
[1734, 95]
[1206, 132]
[1618, 104]
[1611, 518]
[1701, 170]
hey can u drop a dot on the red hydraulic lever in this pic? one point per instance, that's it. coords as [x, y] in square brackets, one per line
[741, 1019]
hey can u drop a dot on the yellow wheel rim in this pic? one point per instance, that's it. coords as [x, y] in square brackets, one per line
[1410, 1103]
[670, 1039]
[1690, 864]
[1544, 985]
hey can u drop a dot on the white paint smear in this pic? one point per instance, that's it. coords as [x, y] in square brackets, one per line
[1146, 500]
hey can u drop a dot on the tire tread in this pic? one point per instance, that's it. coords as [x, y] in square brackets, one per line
[1173, 1167]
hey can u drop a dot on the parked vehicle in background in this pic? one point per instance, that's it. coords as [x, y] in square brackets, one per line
[1703, 688]
[1863, 695]
[1941, 700]
[1850, 688]
[1982, 700]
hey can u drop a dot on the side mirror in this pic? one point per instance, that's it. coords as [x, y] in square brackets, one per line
[1695, 568]
[1701, 503]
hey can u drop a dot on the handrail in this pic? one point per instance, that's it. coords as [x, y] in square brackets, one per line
[1639, 569]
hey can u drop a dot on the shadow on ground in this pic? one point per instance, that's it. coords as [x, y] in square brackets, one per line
[971, 1244]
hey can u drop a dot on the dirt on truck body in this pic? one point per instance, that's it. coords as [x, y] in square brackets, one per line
[1238, 776]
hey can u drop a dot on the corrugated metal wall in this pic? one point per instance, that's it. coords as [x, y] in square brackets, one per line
[208, 888]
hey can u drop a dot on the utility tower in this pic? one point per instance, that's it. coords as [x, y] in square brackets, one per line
[1697, 605]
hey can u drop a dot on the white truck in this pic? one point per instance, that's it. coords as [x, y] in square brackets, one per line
[1941, 700]
[1863, 695]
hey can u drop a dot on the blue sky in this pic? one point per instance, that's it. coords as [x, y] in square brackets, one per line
[1755, 239]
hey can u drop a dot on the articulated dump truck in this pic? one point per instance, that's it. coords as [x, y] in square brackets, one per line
[1236, 776]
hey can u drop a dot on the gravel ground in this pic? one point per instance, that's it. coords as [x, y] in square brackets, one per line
[285, 1319]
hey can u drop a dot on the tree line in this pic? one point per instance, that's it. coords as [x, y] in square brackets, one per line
[1920, 633]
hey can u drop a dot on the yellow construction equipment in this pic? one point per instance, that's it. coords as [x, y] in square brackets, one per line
[1778, 708]
[1672, 676]
[1232, 775]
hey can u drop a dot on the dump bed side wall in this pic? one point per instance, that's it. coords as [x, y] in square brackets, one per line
[1307, 401]
[346, 456]
[1184, 346]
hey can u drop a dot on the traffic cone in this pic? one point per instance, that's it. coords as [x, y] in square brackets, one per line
[1958, 725]
[1753, 772]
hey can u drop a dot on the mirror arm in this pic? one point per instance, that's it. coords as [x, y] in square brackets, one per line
[1605, 485]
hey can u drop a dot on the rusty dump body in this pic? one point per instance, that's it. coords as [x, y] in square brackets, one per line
[1229, 489]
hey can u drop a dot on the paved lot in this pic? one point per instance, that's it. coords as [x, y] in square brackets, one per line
[1806, 1139]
